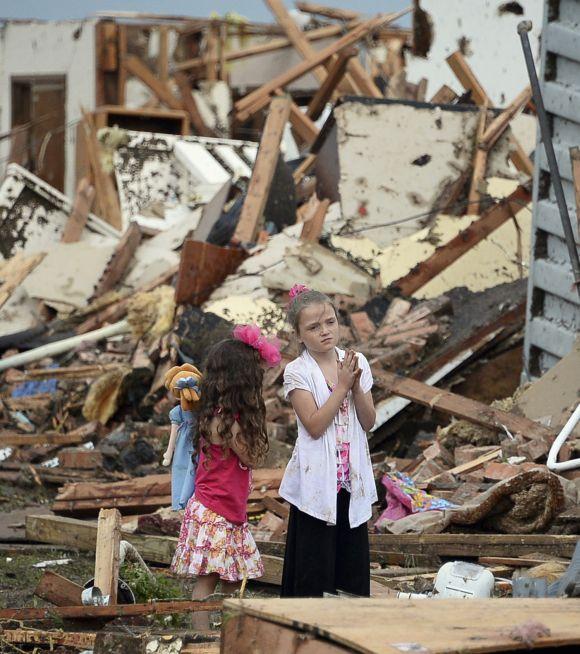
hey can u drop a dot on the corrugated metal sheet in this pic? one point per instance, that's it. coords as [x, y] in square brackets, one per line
[553, 319]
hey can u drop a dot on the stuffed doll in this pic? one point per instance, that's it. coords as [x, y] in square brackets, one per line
[183, 382]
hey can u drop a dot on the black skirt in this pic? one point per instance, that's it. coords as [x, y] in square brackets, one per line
[323, 558]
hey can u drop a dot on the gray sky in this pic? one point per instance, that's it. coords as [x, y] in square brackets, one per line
[253, 9]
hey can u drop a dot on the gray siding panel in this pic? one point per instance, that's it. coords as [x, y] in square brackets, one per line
[553, 316]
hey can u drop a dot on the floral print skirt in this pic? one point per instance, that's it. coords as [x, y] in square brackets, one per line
[208, 543]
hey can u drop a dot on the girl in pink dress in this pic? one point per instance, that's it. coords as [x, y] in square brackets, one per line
[215, 542]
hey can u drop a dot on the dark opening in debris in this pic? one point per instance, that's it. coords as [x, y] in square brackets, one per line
[423, 160]
[511, 8]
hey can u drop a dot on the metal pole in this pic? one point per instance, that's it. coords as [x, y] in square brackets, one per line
[523, 28]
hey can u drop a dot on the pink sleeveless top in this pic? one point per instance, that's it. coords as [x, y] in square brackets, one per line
[223, 484]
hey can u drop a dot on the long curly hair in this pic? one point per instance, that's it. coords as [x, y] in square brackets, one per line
[231, 390]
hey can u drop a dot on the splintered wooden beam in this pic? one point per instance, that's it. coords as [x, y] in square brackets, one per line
[462, 407]
[448, 253]
[263, 171]
[498, 126]
[479, 165]
[303, 168]
[107, 553]
[327, 12]
[295, 35]
[469, 81]
[313, 228]
[335, 74]
[79, 640]
[575, 162]
[80, 212]
[113, 611]
[445, 95]
[137, 68]
[106, 194]
[58, 590]
[275, 44]
[303, 67]
[122, 256]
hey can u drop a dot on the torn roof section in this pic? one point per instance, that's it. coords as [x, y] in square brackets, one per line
[394, 164]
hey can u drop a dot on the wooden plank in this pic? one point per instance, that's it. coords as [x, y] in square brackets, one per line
[468, 466]
[363, 80]
[498, 126]
[212, 52]
[327, 12]
[335, 73]
[58, 590]
[312, 229]
[14, 271]
[106, 195]
[107, 553]
[122, 257]
[448, 253]
[475, 545]
[242, 632]
[80, 458]
[390, 626]
[263, 172]
[137, 503]
[122, 71]
[303, 168]
[114, 611]
[277, 508]
[9, 439]
[303, 126]
[137, 68]
[462, 407]
[163, 57]
[575, 164]
[518, 562]
[469, 81]
[71, 372]
[77, 220]
[270, 46]
[479, 166]
[304, 67]
[445, 95]
[82, 535]
[295, 35]
[82, 640]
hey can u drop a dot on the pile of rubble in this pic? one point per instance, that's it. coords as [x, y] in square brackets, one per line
[314, 160]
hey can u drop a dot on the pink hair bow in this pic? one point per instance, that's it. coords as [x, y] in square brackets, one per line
[268, 347]
[297, 289]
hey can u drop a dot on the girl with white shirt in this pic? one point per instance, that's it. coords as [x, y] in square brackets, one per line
[329, 480]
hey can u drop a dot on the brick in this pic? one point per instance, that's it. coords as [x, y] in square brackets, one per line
[534, 449]
[80, 458]
[467, 453]
[473, 477]
[496, 471]
[437, 452]
[361, 325]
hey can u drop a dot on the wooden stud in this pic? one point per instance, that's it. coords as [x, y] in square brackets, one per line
[313, 228]
[469, 466]
[58, 590]
[107, 553]
[303, 168]
[500, 124]
[302, 125]
[479, 165]
[77, 220]
[122, 256]
[250, 218]
[462, 407]
[212, 52]
[470, 82]
[190, 105]
[106, 195]
[446, 254]
[575, 163]
[445, 95]
[271, 46]
[136, 67]
[223, 37]
[335, 74]
[327, 12]
[304, 67]
[363, 80]
[14, 271]
[121, 70]
[163, 58]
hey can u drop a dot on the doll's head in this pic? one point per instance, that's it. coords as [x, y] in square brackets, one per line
[183, 382]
